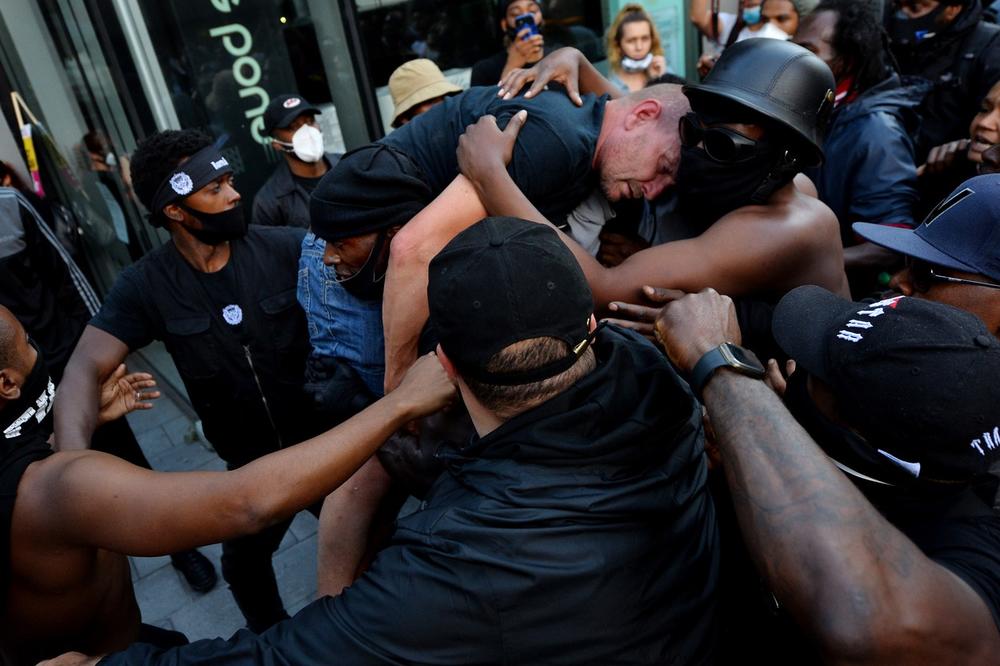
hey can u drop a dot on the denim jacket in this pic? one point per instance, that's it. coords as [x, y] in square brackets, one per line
[340, 325]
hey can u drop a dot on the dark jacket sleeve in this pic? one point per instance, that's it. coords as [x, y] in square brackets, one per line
[414, 606]
[884, 185]
[266, 209]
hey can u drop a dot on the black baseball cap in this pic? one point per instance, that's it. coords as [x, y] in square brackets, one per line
[917, 378]
[501, 281]
[283, 109]
[961, 233]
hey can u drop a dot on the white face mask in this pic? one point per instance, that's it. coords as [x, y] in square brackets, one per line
[307, 144]
[632, 66]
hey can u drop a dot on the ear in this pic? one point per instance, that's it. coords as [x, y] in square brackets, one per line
[592, 326]
[173, 212]
[902, 282]
[9, 389]
[449, 367]
[644, 111]
[950, 12]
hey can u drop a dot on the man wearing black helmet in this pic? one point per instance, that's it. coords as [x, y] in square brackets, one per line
[756, 121]
[221, 297]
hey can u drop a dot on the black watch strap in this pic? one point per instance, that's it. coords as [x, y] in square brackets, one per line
[723, 357]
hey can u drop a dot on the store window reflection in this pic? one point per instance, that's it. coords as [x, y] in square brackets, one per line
[456, 34]
[224, 61]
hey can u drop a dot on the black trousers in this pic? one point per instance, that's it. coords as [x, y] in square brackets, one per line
[246, 567]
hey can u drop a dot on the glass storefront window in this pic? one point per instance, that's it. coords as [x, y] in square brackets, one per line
[222, 61]
[456, 34]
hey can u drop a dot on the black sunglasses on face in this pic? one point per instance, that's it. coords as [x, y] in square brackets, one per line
[721, 144]
[923, 276]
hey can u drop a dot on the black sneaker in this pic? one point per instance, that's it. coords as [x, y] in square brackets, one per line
[196, 569]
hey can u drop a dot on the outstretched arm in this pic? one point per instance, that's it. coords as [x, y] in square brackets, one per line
[89, 498]
[865, 591]
[96, 356]
[745, 251]
[404, 309]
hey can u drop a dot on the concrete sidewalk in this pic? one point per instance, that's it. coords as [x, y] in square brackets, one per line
[169, 439]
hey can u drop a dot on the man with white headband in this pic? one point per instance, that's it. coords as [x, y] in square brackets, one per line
[221, 297]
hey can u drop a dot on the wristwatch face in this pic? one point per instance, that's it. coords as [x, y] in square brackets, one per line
[742, 359]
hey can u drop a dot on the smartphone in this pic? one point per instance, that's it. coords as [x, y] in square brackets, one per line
[525, 21]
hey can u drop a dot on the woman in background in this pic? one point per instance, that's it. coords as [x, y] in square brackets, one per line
[634, 49]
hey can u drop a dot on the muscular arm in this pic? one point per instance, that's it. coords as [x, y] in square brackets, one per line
[89, 498]
[749, 250]
[844, 572]
[864, 590]
[96, 356]
[404, 309]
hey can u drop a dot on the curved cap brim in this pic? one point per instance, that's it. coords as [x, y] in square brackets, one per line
[906, 241]
[802, 325]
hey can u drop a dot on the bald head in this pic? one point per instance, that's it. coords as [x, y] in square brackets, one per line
[639, 151]
[10, 331]
[17, 357]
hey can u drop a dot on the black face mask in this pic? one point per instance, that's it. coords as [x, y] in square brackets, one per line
[30, 416]
[368, 283]
[842, 444]
[906, 31]
[708, 189]
[218, 228]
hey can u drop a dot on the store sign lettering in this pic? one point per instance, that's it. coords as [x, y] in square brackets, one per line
[225, 6]
[237, 41]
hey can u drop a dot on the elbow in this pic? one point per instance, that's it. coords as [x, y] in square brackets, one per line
[251, 511]
[868, 631]
[408, 248]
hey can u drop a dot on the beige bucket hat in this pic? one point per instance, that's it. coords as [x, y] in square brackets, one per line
[415, 82]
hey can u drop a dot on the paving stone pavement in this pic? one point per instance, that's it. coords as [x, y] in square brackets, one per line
[168, 437]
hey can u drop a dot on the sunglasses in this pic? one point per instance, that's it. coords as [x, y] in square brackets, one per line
[721, 144]
[923, 276]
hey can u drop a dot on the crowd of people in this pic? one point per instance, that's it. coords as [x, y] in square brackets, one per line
[682, 372]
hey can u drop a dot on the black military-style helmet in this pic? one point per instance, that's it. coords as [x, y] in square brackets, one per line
[779, 80]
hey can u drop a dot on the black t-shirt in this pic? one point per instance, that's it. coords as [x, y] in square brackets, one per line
[238, 337]
[552, 159]
[308, 184]
[960, 533]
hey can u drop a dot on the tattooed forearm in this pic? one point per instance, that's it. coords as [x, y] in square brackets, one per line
[822, 546]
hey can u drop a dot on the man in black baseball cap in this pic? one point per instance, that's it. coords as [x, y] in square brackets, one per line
[953, 257]
[881, 542]
[283, 200]
[575, 528]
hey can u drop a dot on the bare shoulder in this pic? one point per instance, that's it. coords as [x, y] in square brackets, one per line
[790, 215]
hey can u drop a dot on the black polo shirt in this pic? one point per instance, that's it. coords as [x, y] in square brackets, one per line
[238, 337]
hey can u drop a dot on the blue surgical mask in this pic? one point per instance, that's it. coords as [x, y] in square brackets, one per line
[751, 15]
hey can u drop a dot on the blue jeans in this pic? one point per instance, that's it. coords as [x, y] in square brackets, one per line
[340, 325]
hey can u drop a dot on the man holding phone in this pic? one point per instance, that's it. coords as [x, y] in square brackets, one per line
[520, 22]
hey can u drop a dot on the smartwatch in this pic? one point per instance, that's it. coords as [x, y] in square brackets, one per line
[726, 355]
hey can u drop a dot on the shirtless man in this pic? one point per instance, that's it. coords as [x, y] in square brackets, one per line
[78, 513]
[752, 231]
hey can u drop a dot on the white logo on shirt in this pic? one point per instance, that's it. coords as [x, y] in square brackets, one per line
[233, 314]
[181, 183]
[42, 406]
[990, 440]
